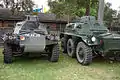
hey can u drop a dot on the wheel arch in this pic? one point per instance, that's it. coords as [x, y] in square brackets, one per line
[61, 35]
[81, 39]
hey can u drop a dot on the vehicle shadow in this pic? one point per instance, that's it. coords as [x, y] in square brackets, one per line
[102, 60]
[64, 61]
[39, 61]
[30, 58]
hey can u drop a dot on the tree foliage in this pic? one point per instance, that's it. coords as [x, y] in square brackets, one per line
[73, 7]
[109, 14]
[18, 5]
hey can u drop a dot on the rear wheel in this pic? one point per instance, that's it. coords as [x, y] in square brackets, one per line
[54, 56]
[84, 54]
[64, 39]
[71, 48]
[117, 57]
[7, 54]
[62, 44]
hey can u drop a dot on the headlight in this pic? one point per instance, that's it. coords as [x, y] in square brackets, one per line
[10, 37]
[85, 40]
[22, 38]
[93, 39]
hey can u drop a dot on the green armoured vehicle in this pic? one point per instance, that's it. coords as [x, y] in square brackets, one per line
[30, 36]
[86, 38]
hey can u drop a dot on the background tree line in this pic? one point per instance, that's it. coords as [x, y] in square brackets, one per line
[79, 8]
[71, 8]
[17, 6]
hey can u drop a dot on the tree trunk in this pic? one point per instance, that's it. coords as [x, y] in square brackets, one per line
[68, 18]
[87, 8]
[101, 11]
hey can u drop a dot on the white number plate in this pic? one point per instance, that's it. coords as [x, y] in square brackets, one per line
[32, 35]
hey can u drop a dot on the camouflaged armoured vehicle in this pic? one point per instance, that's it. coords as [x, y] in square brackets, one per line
[86, 38]
[30, 36]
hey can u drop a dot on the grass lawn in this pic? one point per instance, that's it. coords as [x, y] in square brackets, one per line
[66, 69]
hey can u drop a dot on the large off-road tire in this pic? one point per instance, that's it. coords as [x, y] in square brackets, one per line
[83, 54]
[64, 39]
[62, 44]
[54, 56]
[7, 54]
[71, 48]
[117, 57]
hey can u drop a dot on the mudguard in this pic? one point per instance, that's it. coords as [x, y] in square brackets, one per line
[83, 37]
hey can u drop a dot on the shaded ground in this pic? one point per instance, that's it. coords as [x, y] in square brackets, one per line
[66, 69]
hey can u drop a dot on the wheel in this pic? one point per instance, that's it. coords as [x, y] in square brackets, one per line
[71, 48]
[7, 54]
[117, 57]
[54, 56]
[84, 54]
[62, 44]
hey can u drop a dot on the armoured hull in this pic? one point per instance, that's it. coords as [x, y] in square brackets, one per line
[111, 42]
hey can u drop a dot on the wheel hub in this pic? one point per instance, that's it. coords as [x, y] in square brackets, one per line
[70, 47]
[81, 54]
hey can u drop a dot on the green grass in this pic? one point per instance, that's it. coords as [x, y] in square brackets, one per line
[66, 69]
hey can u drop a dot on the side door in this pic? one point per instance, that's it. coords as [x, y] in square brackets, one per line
[78, 28]
[69, 28]
[83, 29]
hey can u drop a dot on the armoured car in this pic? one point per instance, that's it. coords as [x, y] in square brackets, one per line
[86, 38]
[30, 36]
